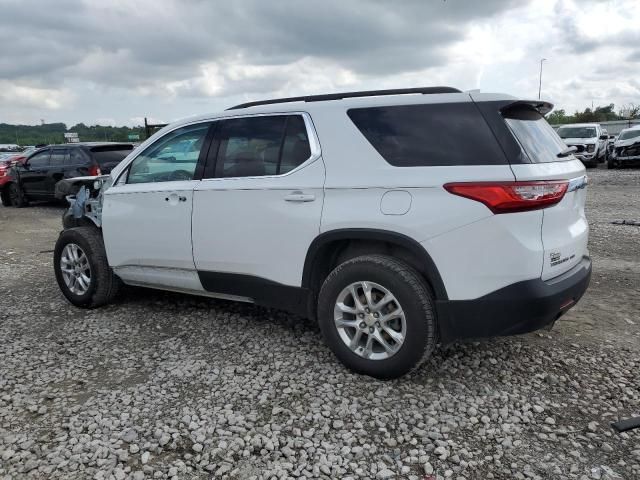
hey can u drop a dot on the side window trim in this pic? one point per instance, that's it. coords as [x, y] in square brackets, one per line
[210, 171]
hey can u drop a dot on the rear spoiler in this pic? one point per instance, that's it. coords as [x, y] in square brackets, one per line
[538, 105]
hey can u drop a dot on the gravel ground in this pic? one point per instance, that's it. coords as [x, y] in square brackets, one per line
[168, 386]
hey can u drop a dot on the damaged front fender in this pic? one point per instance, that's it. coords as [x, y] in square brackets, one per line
[86, 204]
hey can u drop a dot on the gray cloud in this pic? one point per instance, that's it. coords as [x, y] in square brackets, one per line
[138, 44]
[169, 58]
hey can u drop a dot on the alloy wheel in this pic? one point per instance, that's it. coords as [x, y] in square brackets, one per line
[75, 268]
[370, 320]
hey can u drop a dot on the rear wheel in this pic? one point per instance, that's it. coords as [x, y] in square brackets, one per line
[17, 196]
[81, 268]
[377, 316]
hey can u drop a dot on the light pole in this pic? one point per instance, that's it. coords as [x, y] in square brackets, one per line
[540, 82]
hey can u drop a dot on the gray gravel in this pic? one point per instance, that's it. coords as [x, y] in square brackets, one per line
[162, 385]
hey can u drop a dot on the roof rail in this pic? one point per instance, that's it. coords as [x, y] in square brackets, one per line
[340, 96]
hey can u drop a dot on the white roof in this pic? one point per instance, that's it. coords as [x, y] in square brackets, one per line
[324, 105]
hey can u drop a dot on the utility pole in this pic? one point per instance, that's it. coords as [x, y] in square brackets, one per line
[540, 81]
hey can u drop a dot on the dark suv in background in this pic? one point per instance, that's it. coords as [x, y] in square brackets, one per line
[36, 178]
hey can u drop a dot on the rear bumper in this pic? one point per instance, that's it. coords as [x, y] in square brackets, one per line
[518, 308]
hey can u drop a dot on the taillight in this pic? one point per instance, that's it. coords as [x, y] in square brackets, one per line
[506, 197]
[94, 170]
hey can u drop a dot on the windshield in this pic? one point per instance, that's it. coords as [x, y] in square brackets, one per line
[539, 141]
[577, 132]
[627, 134]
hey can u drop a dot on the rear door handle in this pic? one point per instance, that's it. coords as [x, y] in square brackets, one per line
[298, 196]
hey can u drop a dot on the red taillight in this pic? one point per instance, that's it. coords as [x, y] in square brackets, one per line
[506, 197]
[94, 171]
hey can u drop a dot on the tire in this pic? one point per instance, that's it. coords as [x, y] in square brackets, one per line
[410, 295]
[102, 285]
[4, 197]
[611, 164]
[17, 196]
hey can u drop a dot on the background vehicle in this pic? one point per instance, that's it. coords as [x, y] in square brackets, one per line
[7, 160]
[626, 148]
[589, 139]
[35, 178]
[396, 218]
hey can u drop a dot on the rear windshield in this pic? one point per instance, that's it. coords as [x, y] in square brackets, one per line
[110, 154]
[429, 134]
[629, 134]
[577, 132]
[538, 140]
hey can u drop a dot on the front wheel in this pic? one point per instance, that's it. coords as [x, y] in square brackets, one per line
[81, 268]
[377, 316]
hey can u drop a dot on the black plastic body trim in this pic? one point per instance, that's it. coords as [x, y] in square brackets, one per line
[266, 293]
[340, 96]
[394, 238]
[518, 308]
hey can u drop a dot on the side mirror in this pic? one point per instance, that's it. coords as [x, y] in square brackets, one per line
[604, 137]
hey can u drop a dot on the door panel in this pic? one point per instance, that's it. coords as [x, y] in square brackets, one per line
[33, 175]
[55, 172]
[147, 218]
[260, 226]
[149, 224]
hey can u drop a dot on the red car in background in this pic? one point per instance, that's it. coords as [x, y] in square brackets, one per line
[7, 160]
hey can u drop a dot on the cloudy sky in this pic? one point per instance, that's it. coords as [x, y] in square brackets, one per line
[116, 61]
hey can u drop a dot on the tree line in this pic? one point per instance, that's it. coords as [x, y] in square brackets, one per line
[599, 114]
[52, 133]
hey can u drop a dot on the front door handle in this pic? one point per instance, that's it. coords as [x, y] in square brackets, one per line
[173, 199]
[298, 196]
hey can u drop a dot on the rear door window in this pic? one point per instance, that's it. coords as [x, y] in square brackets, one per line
[427, 135]
[538, 139]
[263, 145]
[57, 157]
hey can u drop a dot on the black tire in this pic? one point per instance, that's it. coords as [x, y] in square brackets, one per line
[4, 197]
[414, 298]
[611, 164]
[17, 196]
[104, 284]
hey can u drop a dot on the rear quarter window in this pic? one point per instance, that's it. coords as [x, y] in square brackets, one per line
[444, 134]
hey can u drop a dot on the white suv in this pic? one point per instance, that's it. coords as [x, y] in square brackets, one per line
[589, 139]
[397, 219]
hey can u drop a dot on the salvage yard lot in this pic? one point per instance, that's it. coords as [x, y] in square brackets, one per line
[162, 385]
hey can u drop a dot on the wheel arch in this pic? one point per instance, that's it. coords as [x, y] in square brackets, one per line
[328, 247]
